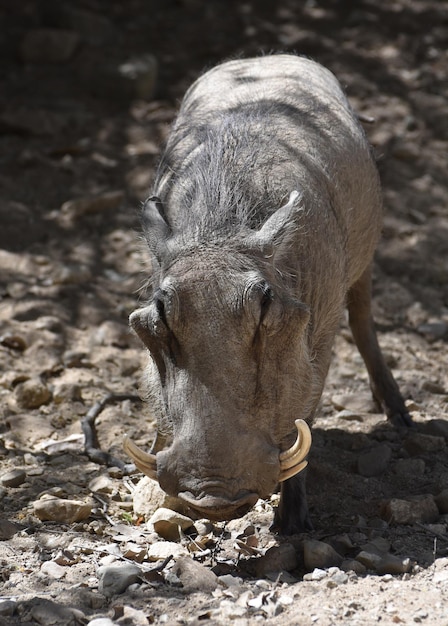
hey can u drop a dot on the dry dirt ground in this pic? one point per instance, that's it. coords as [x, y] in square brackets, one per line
[80, 136]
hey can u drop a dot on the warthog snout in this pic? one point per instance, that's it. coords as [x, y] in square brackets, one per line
[222, 498]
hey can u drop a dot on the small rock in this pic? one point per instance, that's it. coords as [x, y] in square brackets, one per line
[230, 581]
[32, 394]
[418, 443]
[102, 484]
[168, 524]
[148, 496]
[53, 570]
[114, 579]
[14, 478]
[391, 564]
[442, 501]
[7, 608]
[277, 559]
[433, 330]
[351, 565]
[434, 387]
[194, 576]
[437, 427]
[46, 612]
[357, 403]
[101, 621]
[64, 392]
[203, 527]
[13, 342]
[141, 75]
[48, 46]
[414, 509]
[112, 333]
[316, 574]
[60, 510]
[375, 461]
[163, 549]
[8, 529]
[410, 467]
[378, 545]
[370, 560]
[318, 554]
[93, 204]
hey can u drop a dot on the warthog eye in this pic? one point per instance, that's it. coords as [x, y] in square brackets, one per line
[160, 306]
[266, 299]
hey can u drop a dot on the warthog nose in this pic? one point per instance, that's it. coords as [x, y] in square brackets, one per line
[218, 508]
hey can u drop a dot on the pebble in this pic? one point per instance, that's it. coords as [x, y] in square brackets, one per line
[418, 443]
[101, 621]
[114, 579]
[163, 549]
[102, 484]
[433, 330]
[414, 509]
[318, 554]
[194, 576]
[139, 76]
[8, 529]
[14, 478]
[61, 510]
[316, 574]
[7, 608]
[359, 403]
[277, 559]
[437, 427]
[375, 461]
[169, 524]
[391, 564]
[93, 204]
[410, 467]
[442, 501]
[32, 394]
[351, 565]
[148, 496]
[53, 570]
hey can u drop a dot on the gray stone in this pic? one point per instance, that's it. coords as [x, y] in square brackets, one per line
[318, 554]
[61, 510]
[375, 461]
[8, 529]
[14, 478]
[277, 559]
[418, 443]
[410, 467]
[351, 565]
[114, 579]
[32, 394]
[194, 576]
[7, 608]
[414, 509]
[442, 501]
[169, 524]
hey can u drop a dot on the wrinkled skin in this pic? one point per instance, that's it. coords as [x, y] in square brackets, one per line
[265, 218]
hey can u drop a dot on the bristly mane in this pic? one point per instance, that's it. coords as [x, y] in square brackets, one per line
[222, 186]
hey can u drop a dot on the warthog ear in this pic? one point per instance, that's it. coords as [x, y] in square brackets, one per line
[276, 233]
[155, 227]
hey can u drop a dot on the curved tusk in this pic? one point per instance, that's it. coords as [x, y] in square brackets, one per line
[292, 471]
[292, 457]
[145, 462]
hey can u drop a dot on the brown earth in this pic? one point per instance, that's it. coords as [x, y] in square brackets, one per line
[80, 140]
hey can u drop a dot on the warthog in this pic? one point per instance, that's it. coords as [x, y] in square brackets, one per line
[264, 220]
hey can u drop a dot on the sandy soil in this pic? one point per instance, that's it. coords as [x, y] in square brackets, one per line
[80, 140]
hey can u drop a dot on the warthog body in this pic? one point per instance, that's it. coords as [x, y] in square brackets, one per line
[265, 217]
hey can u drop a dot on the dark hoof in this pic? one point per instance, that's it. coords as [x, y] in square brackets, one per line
[402, 421]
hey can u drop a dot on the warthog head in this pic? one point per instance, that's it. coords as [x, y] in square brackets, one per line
[229, 365]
